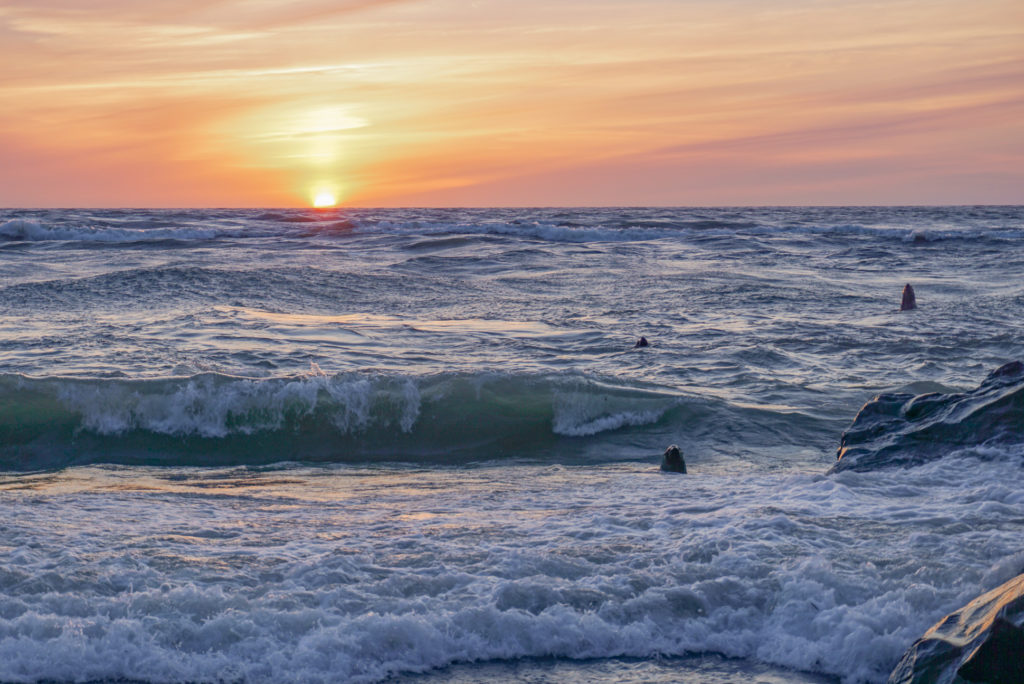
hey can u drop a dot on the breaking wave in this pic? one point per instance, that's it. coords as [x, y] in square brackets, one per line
[213, 419]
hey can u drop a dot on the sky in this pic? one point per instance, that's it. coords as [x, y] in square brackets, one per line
[266, 103]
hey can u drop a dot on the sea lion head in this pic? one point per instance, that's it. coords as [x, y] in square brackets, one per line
[673, 460]
[909, 300]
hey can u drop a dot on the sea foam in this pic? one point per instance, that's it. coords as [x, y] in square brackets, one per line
[360, 574]
[36, 231]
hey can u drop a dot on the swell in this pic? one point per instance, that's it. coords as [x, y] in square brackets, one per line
[272, 288]
[213, 419]
[921, 225]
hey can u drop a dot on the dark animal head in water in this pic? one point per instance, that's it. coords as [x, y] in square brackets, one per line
[673, 461]
[642, 342]
[909, 301]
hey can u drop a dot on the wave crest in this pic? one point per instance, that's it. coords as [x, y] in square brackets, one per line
[213, 419]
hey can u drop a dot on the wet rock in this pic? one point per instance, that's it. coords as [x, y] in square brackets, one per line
[907, 429]
[981, 642]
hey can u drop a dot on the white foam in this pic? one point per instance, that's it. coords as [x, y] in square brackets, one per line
[599, 232]
[218, 406]
[540, 230]
[197, 406]
[571, 426]
[36, 231]
[611, 230]
[355, 575]
[580, 414]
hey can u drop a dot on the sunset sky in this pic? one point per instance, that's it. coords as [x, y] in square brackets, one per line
[237, 103]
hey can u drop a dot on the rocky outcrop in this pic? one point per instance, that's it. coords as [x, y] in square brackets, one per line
[904, 429]
[981, 642]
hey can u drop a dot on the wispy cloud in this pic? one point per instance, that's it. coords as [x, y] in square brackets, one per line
[282, 15]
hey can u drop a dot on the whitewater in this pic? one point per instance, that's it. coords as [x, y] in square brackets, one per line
[419, 444]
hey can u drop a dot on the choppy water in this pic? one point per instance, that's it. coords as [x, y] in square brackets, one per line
[347, 445]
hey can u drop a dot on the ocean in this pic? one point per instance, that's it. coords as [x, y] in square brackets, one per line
[357, 445]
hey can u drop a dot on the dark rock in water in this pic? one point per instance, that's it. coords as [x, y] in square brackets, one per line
[1009, 370]
[981, 642]
[642, 342]
[904, 429]
[909, 300]
[673, 460]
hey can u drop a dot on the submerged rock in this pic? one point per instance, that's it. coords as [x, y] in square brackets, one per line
[981, 642]
[904, 429]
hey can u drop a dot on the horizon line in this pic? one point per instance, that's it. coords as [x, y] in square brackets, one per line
[510, 206]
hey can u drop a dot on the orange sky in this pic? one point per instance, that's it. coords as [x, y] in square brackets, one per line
[169, 103]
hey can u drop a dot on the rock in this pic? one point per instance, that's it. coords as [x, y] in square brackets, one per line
[981, 642]
[904, 429]
[673, 460]
[642, 342]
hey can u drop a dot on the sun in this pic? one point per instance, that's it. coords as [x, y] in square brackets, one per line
[324, 199]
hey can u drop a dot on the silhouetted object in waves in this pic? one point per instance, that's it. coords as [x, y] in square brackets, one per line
[673, 461]
[909, 300]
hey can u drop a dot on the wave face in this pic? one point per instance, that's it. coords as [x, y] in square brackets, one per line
[213, 419]
[216, 420]
[904, 429]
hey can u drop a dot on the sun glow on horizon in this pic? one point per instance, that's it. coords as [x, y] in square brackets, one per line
[324, 199]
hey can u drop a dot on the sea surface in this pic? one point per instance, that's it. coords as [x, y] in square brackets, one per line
[419, 445]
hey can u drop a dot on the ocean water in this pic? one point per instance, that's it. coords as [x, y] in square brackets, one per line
[418, 445]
